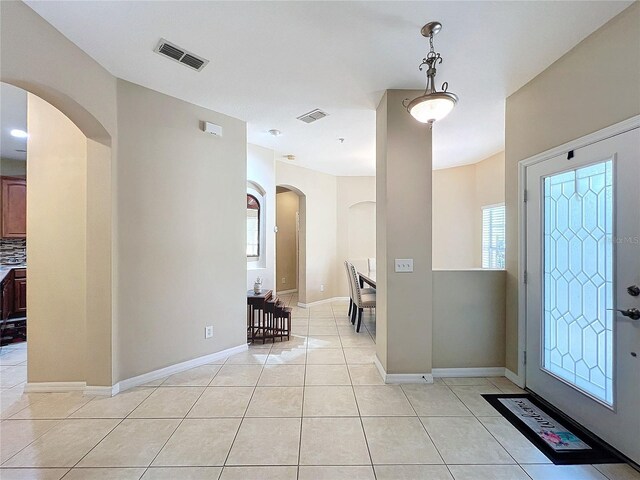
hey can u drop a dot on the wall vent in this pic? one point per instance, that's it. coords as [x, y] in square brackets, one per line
[312, 116]
[180, 55]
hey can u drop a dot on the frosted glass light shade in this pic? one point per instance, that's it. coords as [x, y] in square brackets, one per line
[432, 107]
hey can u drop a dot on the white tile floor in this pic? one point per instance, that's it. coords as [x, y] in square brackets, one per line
[313, 408]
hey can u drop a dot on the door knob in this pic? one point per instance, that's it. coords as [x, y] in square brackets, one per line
[633, 290]
[632, 313]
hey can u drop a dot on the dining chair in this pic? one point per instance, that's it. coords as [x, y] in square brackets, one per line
[361, 300]
[346, 266]
[365, 291]
[371, 263]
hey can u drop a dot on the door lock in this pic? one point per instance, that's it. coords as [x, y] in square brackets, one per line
[632, 313]
[633, 290]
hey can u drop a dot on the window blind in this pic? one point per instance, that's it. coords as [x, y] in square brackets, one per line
[493, 236]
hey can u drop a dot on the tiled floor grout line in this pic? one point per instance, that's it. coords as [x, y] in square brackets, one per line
[178, 426]
[425, 430]
[483, 426]
[364, 432]
[34, 440]
[244, 415]
[92, 448]
[58, 420]
[304, 387]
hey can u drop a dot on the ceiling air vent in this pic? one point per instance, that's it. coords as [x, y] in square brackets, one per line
[180, 55]
[312, 116]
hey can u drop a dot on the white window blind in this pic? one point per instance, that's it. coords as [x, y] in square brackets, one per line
[493, 236]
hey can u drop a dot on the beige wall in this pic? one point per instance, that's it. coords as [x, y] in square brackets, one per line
[318, 237]
[362, 232]
[459, 194]
[287, 208]
[403, 183]
[89, 100]
[355, 240]
[454, 214]
[559, 105]
[182, 229]
[261, 176]
[13, 168]
[468, 318]
[57, 245]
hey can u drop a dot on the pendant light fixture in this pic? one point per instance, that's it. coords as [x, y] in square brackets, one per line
[432, 105]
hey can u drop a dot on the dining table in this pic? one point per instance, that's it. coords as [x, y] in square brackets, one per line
[368, 277]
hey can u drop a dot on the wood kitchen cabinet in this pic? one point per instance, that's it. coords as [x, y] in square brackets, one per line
[13, 292]
[14, 207]
[20, 292]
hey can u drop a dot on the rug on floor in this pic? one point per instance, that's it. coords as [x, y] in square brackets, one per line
[560, 439]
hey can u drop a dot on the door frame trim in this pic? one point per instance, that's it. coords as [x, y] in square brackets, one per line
[607, 132]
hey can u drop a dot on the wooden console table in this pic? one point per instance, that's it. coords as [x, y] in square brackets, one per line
[255, 313]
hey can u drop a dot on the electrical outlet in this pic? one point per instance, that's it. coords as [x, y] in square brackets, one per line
[284, 280]
[208, 331]
[404, 265]
[322, 288]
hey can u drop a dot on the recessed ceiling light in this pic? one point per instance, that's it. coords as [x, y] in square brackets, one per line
[275, 133]
[19, 133]
[290, 157]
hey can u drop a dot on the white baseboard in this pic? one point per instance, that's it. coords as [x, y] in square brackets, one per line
[285, 292]
[177, 368]
[102, 391]
[320, 302]
[469, 372]
[514, 377]
[395, 378]
[48, 387]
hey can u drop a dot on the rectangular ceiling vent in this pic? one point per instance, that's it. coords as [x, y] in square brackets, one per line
[178, 54]
[312, 116]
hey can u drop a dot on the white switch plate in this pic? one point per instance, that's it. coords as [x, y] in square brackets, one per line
[208, 331]
[404, 265]
[322, 288]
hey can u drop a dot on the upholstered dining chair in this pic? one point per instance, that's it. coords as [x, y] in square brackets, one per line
[365, 291]
[371, 263]
[361, 300]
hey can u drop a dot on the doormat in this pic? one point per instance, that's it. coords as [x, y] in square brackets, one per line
[560, 439]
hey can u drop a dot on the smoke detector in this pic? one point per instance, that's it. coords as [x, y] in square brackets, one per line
[180, 55]
[275, 133]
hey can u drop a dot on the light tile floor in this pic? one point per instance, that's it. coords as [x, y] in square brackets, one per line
[313, 408]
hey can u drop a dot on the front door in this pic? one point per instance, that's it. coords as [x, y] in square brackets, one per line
[583, 267]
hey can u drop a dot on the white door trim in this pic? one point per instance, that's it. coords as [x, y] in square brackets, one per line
[607, 132]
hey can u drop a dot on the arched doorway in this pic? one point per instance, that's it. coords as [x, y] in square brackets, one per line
[68, 246]
[291, 259]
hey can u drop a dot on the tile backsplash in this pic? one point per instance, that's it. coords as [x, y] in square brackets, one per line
[13, 251]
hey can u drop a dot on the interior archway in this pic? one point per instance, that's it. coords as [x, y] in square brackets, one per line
[296, 251]
[69, 290]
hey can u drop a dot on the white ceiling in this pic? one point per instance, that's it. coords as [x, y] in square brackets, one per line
[13, 115]
[272, 61]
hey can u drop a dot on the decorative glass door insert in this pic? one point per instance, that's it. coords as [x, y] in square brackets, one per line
[578, 279]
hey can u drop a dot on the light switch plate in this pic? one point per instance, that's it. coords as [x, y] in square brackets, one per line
[404, 265]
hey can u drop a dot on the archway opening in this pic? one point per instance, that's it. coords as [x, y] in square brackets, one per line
[291, 260]
[64, 295]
